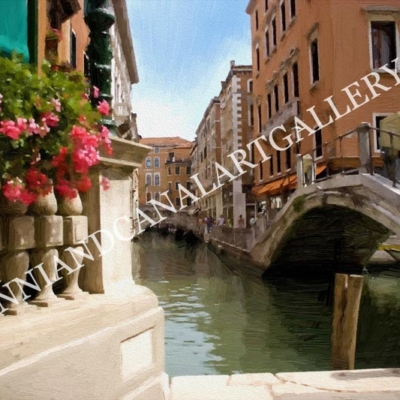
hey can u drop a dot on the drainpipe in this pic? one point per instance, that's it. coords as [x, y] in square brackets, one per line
[99, 18]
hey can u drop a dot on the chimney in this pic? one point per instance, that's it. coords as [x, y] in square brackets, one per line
[232, 63]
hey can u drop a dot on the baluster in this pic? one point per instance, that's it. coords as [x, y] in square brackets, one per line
[49, 234]
[75, 232]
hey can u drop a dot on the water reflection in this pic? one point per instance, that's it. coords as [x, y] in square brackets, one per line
[219, 321]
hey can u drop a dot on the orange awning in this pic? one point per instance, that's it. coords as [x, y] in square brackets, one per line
[287, 182]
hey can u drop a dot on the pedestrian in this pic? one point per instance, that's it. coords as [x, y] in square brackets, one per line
[210, 222]
[221, 220]
[241, 222]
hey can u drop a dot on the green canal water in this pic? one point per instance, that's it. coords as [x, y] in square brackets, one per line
[222, 321]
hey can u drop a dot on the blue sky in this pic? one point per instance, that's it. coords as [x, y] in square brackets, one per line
[183, 49]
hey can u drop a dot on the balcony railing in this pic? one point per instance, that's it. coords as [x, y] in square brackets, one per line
[285, 114]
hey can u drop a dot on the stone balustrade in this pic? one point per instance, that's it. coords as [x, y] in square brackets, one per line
[40, 246]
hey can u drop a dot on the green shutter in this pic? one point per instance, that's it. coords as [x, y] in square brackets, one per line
[14, 27]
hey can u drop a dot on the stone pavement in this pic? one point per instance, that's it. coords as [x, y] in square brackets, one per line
[376, 384]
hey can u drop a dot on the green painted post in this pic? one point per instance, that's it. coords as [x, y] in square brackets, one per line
[99, 18]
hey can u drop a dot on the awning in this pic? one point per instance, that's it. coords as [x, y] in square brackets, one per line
[288, 182]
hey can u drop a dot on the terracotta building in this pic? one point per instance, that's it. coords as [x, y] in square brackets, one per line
[307, 57]
[166, 166]
[207, 151]
[236, 132]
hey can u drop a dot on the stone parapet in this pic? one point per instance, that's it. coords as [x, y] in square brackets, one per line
[374, 384]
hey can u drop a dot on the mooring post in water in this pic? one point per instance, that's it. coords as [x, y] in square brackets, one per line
[345, 318]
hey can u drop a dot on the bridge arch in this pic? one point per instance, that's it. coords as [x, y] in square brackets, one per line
[337, 223]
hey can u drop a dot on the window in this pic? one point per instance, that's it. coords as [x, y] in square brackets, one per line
[269, 101]
[318, 143]
[188, 185]
[178, 201]
[189, 201]
[314, 60]
[157, 162]
[276, 95]
[266, 5]
[157, 196]
[258, 58]
[267, 44]
[250, 86]
[148, 162]
[286, 88]
[292, 8]
[252, 154]
[251, 112]
[188, 170]
[283, 15]
[295, 70]
[274, 32]
[177, 185]
[383, 43]
[378, 120]
[169, 170]
[73, 49]
[278, 162]
[171, 157]
[271, 166]
[259, 119]
[256, 18]
[156, 150]
[148, 196]
[289, 158]
[177, 171]
[148, 179]
[261, 171]
[156, 179]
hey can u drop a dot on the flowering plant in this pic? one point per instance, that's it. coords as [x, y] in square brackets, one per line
[49, 132]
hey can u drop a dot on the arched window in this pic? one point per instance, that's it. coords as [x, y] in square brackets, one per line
[148, 162]
[156, 179]
[157, 162]
[157, 196]
[148, 179]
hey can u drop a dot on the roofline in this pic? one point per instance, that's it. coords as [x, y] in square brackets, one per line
[250, 6]
[122, 18]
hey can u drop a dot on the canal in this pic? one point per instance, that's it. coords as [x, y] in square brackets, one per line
[222, 321]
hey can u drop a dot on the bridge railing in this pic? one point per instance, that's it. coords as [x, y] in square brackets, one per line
[365, 149]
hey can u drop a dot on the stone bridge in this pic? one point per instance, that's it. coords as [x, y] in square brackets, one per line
[338, 223]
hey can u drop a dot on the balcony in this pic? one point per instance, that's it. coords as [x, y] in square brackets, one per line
[283, 117]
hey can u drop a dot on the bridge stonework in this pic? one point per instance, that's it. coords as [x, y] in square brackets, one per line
[338, 222]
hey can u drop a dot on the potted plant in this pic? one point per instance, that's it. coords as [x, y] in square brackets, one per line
[50, 134]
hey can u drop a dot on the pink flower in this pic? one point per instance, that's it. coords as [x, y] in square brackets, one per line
[10, 129]
[96, 92]
[50, 119]
[33, 127]
[85, 96]
[104, 139]
[13, 190]
[57, 105]
[104, 107]
[65, 190]
[22, 124]
[105, 183]
[84, 184]
[1, 97]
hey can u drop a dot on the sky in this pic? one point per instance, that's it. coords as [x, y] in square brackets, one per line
[183, 50]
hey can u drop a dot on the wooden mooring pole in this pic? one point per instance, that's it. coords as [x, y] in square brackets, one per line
[347, 294]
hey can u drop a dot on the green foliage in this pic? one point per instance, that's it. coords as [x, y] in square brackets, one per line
[298, 203]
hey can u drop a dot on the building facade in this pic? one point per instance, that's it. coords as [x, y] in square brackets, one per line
[308, 61]
[236, 133]
[226, 127]
[167, 165]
